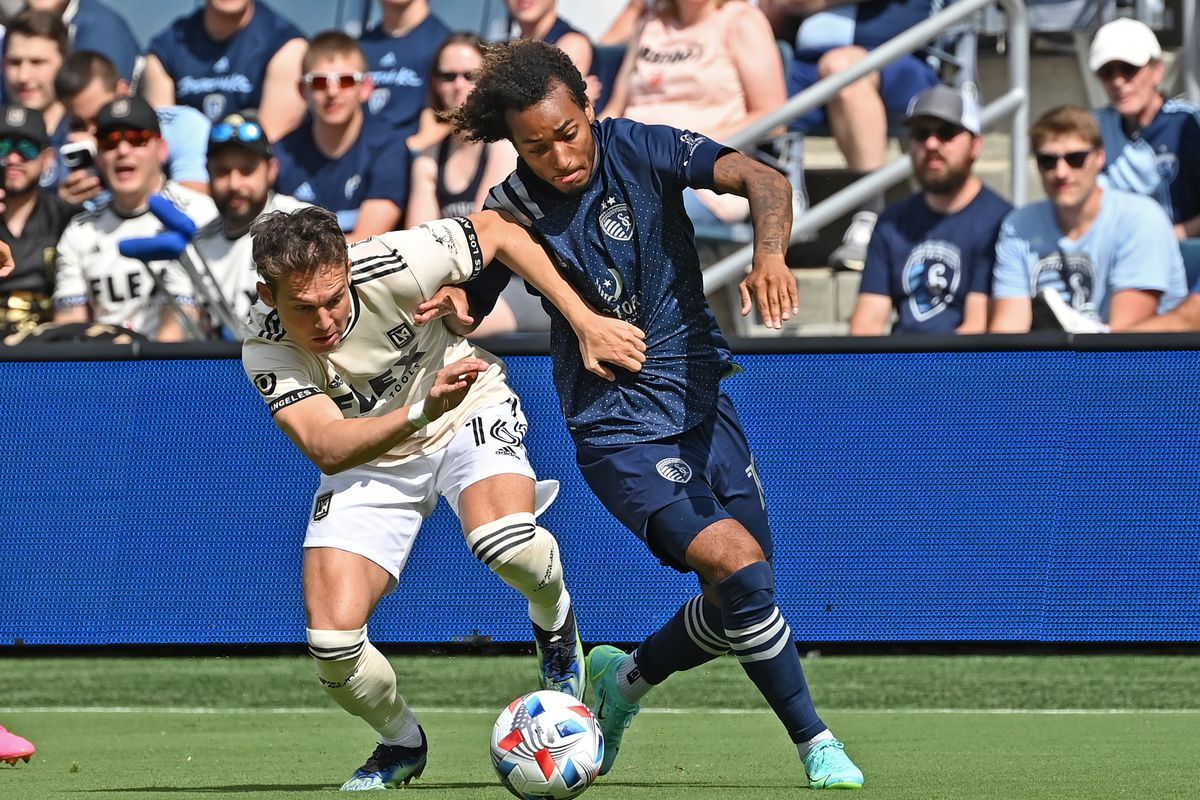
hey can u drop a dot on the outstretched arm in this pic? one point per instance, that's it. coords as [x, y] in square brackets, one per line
[770, 283]
[601, 339]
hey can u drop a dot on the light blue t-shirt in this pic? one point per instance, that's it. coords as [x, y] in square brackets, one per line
[1131, 245]
[185, 130]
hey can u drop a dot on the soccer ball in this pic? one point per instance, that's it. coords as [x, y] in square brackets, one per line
[547, 744]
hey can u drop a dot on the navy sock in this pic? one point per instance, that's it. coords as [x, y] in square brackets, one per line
[762, 642]
[694, 636]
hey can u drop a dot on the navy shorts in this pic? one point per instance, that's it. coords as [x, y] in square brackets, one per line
[712, 460]
[899, 83]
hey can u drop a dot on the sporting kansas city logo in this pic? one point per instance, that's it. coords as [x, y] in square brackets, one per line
[616, 220]
[674, 469]
[379, 99]
[1072, 276]
[931, 277]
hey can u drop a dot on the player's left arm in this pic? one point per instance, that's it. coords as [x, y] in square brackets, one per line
[770, 283]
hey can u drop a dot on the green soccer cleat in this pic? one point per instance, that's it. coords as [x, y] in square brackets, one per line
[561, 659]
[828, 767]
[612, 711]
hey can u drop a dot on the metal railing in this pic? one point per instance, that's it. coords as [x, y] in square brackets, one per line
[1014, 103]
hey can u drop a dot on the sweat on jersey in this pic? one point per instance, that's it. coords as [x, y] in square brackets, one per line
[928, 262]
[375, 167]
[1130, 245]
[119, 290]
[400, 67]
[385, 360]
[220, 77]
[628, 247]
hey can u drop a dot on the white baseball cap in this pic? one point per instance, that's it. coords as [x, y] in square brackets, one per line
[1125, 40]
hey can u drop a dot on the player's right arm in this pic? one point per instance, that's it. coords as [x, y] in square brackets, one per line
[335, 443]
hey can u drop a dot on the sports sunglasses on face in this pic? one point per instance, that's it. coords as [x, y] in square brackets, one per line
[321, 81]
[1075, 159]
[27, 149]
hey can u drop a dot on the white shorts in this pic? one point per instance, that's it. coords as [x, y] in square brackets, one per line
[376, 511]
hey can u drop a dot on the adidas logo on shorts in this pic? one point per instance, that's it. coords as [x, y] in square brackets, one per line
[508, 451]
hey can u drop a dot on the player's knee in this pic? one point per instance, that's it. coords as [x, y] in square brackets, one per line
[336, 653]
[523, 554]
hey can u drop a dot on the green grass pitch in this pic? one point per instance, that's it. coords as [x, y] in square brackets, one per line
[256, 728]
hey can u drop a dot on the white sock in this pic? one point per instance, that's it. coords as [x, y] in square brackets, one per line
[630, 683]
[804, 748]
[552, 617]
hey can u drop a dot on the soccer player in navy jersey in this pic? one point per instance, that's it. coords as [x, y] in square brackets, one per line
[661, 448]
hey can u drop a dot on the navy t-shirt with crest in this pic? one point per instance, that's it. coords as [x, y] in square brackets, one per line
[627, 246]
[928, 262]
[220, 77]
[400, 69]
[375, 167]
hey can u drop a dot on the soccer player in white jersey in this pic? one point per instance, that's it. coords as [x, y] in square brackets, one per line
[396, 414]
[95, 283]
[241, 177]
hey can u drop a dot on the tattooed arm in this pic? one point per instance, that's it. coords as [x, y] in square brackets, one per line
[770, 283]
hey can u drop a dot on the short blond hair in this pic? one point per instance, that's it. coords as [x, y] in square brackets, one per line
[1066, 121]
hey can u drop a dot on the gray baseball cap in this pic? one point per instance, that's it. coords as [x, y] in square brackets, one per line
[957, 106]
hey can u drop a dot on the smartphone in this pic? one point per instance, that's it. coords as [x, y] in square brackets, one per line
[78, 155]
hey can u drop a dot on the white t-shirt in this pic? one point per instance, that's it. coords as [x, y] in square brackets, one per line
[385, 360]
[120, 290]
[230, 262]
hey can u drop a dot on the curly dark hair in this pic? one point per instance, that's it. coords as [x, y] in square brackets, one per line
[515, 76]
[306, 242]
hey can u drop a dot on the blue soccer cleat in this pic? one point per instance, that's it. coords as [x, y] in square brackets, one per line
[560, 655]
[828, 767]
[611, 710]
[389, 764]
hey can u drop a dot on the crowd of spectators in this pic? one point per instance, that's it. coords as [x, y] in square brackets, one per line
[231, 111]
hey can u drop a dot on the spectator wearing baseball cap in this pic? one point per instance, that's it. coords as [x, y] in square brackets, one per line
[1152, 144]
[96, 282]
[1106, 253]
[241, 171]
[930, 257]
[31, 222]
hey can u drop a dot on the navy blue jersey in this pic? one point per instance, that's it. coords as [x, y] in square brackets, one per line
[375, 167]
[400, 67]
[627, 246]
[98, 28]
[1162, 160]
[221, 77]
[929, 262]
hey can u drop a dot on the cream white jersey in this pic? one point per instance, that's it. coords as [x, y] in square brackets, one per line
[228, 264]
[385, 360]
[119, 290]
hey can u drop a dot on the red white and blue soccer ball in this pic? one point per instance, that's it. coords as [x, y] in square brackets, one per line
[547, 744]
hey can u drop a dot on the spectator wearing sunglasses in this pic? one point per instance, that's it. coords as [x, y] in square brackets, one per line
[1151, 144]
[931, 256]
[341, 158]
[31, 222]
[1108, 254]
[34, 48]
[399, 52]
[226, 56]
[86, 83]
[242, 170]
[95, 282]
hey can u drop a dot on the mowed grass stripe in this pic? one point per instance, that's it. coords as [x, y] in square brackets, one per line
[686, 756]
[209, 710]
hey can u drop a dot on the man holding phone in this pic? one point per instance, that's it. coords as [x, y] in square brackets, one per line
[31, 222]
[86, 83]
